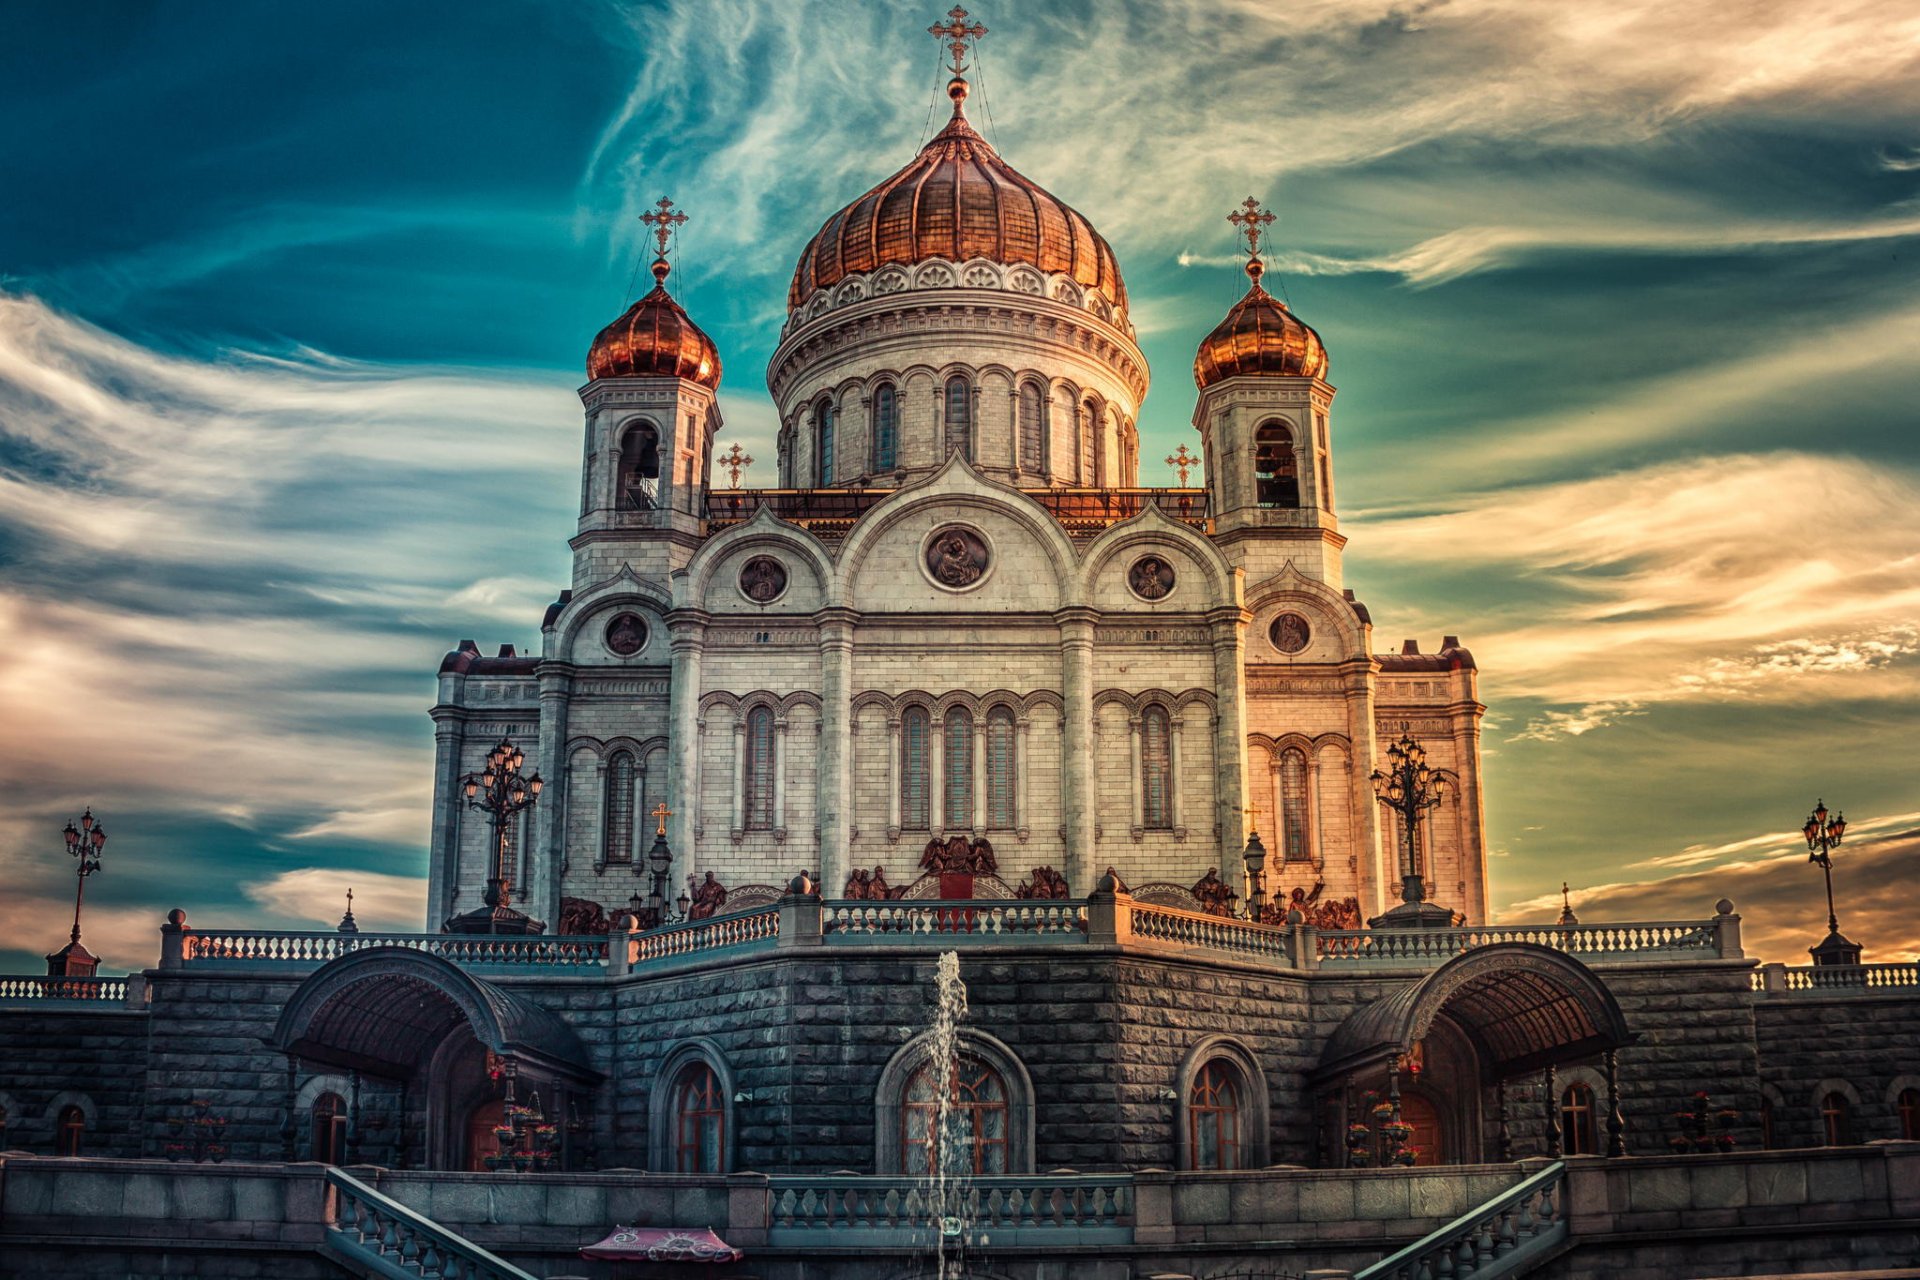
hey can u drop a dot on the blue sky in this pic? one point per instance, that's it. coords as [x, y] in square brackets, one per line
[1620, 301]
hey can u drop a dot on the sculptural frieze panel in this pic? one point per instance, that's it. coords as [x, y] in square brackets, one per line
[957, 855]
[626, 635]
[763, 580]
[1043, 882]
[957, 557]
[1151, 577]
[871, 886]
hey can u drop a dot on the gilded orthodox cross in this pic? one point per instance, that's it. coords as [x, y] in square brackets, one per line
[663, 220]
[660, 814]
[1252, 220]
[1182, 461]
[956, 34]
[734, 462]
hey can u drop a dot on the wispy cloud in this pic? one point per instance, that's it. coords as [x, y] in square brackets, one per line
[319, 894]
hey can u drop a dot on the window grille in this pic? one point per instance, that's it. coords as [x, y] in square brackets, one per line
[1033, 421]
[1156, 801]
[1000, 769]
[1293, 804]
[823, 420]
[1213, 1117]
[886, 427]
[620, 807]
[958, 764]
[972, 1141]
[1836, 1120]
[915, 729]
[760, 769]
[700, 1121]
[1577, 1134]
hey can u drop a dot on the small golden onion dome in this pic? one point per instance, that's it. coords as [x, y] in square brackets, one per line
[1259, 336]
[957, 200]
[655, 339]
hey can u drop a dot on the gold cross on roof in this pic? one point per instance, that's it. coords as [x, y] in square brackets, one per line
[663, 220]
[1182, 461]
[661, 813]
[734, 462]
[1252, 220]
[956, 33]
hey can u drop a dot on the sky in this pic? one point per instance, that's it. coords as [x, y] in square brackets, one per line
[1620, 299]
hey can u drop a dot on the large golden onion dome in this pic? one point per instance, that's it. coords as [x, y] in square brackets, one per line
[957, 200]
[1259, 336]
[655, 339]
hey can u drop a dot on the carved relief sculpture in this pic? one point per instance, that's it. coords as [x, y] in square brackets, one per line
[870, 886]
[1290, 633]
[957, 855]
[1216, 895]
[626, 635]
[1045, 882]
[1151, 578]
[763, 579]
[956, 557]
[580, 916]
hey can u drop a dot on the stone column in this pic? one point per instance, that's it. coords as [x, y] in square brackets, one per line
[688, 631]
[1176, 792]
[833, 799]
[737, 790]
[1378, 883]
[893, 789]
[937, 775]
[1137, 779]
[1020, 749]
[602, 837]
[1076, 744]
[979, 773]
[443, 867]
[780, 778]
[1313, 811]
[1229, 634]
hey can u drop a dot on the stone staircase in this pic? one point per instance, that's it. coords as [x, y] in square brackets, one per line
[375, 1236]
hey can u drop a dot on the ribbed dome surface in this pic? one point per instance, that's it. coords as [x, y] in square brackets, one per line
[1260, 336]
[655, 339]
[957, 200]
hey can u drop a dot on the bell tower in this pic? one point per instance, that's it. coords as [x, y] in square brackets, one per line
[1264, 417]
[652, 415]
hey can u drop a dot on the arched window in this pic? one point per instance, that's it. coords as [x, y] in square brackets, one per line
[1907, 1107]
[1577, 1135]
[1000, 769]
[1156, 769]
[1213, 1117]
[759, 771]
[1293, 808]
[619, 834]
[1836, 1119]
[699, 1121]
[1089, 426]
[973, 1140]
[958, 765]
[1033, 428]
[640, 466]
[1276, 470]
[886, 426]
[915, 729]
[329, 1120]
[959, 417]
[823, 443]
[68, 1130]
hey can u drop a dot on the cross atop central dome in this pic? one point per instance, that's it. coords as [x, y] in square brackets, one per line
[958, 200]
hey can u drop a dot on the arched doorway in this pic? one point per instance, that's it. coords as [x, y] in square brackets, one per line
[1402, 1079]
[482, 1141]
[425, 1045]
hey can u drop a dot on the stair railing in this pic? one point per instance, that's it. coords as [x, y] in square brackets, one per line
[1503, 1237]
[382, 1237]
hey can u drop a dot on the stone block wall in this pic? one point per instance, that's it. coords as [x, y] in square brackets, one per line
[94, 1059]
[1866, 1047]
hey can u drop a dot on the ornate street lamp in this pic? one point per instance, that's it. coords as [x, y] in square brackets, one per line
[1255, 858]
[501, 792]
[652, 913]
[84, 843]
[1823, 833]
[1409, 787]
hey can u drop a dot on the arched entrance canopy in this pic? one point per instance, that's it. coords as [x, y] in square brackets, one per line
[1523, 1006]
[385, 1010]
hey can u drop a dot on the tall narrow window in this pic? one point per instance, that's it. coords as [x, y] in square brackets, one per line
[1836, 1119]
[68, 1131]
[1033, 428]
[915, 729]
[619, 808]
[959, 417]
[971, 1138]
[1000, 769]
[823, 443]
[1323, 463]
[1907, 1106]
[1213, 1116]
[329, 1116]
[699, 1120]
[640, 467]
[1293, 803]
[957, 764]
[1576, 1120]
[1276, 469]
[759, 780]
[1089, 424]
[886, 427]
[1156, 768]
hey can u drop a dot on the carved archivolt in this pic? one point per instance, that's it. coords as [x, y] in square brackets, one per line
[980, 273]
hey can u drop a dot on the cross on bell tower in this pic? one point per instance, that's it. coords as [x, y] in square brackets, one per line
[1252, 221]
[663, 220]
[957, 33]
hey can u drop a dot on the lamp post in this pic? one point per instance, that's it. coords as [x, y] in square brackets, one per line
[1255, 858]
[84, 843]
[501, 792]
[652, 913]
[1409, 787]
[1823, 833]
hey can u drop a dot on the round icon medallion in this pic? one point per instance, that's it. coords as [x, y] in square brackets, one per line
[763, 580]
[626, 635]
[1290, 633]
[1151, 577]
[957, 557]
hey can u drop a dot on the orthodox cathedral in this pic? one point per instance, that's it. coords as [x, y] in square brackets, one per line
[960, 860]
[960, 615]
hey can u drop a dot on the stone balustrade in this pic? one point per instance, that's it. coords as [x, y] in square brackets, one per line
[980, 920]
[856, 1211]
[27, 988]
[254, 947]
[1837, 979]
[1506, 1236]
[1668, 940]
[1169, 925]
[719, 933]
[387, 1238]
